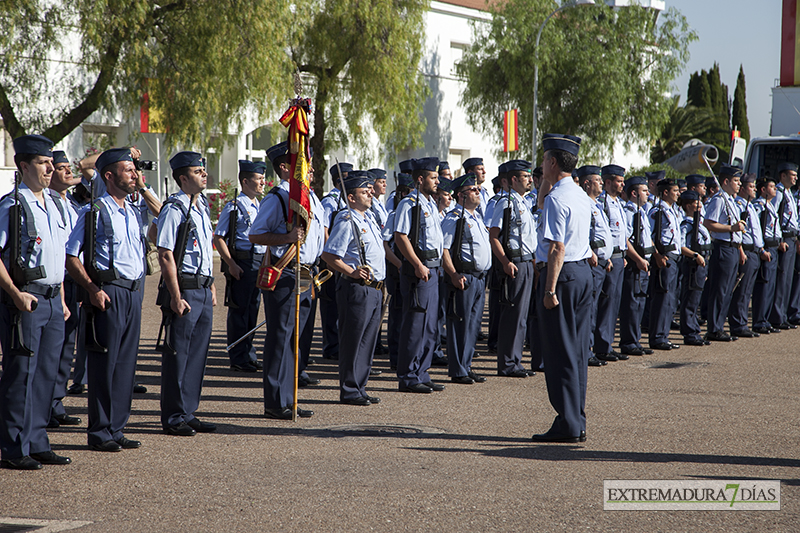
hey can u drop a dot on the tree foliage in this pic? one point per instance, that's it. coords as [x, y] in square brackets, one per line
[362, 57]
[739, 118]
[685, 123]
[204, 63]
[603, 72]
[706, 91]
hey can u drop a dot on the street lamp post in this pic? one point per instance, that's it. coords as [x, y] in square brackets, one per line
[536, 69]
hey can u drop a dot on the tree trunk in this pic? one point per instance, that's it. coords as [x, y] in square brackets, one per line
[318, 143]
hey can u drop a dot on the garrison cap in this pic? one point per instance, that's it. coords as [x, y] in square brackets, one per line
[445, 185]
[345, 167]
[359, 179]
[114, 155]
[405, 180]
[257, 167]
[378, 173]
[633, 181]
[427, 163]
[516, 165]
[750, 177]
[657, 175]
[559, 141]
[179, 160]
[786, 166]
[33, 145]
[614, 170]
[407, 166]
[689, 196]
[695, 179]
[731, 171]
[538, 171]
[711, 182]
[444, 165]
[497, 181]
[467, 180]
[588, 170]
[59, 156]
[472, 162]
[681, 183]
[666, 183]
[278, 150]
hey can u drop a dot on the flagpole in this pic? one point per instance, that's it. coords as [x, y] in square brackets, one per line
[296, 329]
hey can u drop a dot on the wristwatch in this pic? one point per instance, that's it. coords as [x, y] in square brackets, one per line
[549, 293]
[695, 255]
[141, 191]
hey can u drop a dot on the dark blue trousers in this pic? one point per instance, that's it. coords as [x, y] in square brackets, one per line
[694, 279]
[26, 385]
[631, 309]
[182, 373]
[532, 330]
[513, 319]
[564, 336]
[723, 269]
[79, 366]
[418, 332]
[247, 297]
[783, 288]
[793, 310]
[359, 322]
[279, 306]
[738, 314]
[608, 308]
[598, 277]
[764, 290]
[329, 315]
[663, 297]
[394, 318]
[111, 375]
[461, 334]
[68, 348]
[494, 308]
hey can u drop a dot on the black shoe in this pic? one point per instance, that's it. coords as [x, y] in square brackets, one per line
[594, 361]
[475, 377]
[107, 446]
[481, 336]
[701, 321]
[674, 346]
[53, 423]
[437, 387]
[463, 380]
[530, 373]
[373, 399]
[439, 361]
[621, 356]
[380, 349]
[606, 357]
[794, 321]
[556, 437]
[786, 325]
[491, 350]
[23, 463]
[720, 336]
[50, 458]
[647, 351]
[661, 346]
[514, 374]
[286, 413]
[303, 382]
[762, 330]
[674, 325]
[76, 388]
[248, 367]
[693, 341]
[260, 366]
[66, 420]
[311, 362]
[632, 351]
[374, 372]
[362, 400]
[129, 444]
[201, 427]
[139, 388]
[745, 333]
[773, 329]
[416, 387]
[180, 430]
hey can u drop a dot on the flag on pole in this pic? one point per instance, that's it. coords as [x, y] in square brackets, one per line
[510, 136]
[296, 119]
[151, 116]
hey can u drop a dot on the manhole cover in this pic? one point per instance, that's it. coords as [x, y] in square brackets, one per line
[361, 430]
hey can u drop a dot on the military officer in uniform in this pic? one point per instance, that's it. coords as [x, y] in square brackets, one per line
[355, 250]
[565, 280]
[694, 265]
[407, 168]
[764, 290]
[114, 293]
[31, 341]
[474, 165]
[466, 278]
[191, 296]
[243, 262]
[790, 227]
[377, 209]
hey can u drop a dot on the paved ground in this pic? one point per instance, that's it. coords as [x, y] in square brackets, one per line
[459, 460]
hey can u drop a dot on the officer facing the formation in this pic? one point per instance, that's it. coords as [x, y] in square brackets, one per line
[467, 258]
[270, 229]
[764, 290]
[33, 313]
[722, 221]
[418, 238]
[355, 250]
[666, 229]
[565, 281]
[790, 227]
[187, 295]
[513, 244]
[696, 250]
[242, 261]
[111, 278]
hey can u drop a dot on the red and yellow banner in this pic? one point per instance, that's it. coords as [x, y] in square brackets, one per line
[151, 118]
[790, 44]
[510, 131]
[296, 119]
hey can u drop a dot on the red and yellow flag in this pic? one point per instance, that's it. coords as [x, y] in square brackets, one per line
[296, 119]
[510, 135]
[790, 44]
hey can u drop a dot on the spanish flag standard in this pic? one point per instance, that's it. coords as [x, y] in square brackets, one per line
[510, 136]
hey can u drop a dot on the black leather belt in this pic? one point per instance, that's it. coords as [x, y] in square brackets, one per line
[192, 281]
[432, 263]
[748, 247]
[374, 284]
[602, 263]
[790, 233]
[245, 255]
[130, 284]
[616, 255]
[727, 243]
[48, 291]
[599, 243]
[771, 243]
[540, 266]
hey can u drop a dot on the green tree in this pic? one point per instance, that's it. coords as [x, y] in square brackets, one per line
[685, 123]
[739, 119]
[363, 59]
[602, 72]
[203, 62]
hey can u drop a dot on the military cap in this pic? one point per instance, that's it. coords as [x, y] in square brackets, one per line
[665, 184]
[445, 185]
[764, 180]
[467, 180]
[257, 167]
[657, 175]
[378, 173]
[444, 165]
[179, 160]
[786, 166]
[711, 182]
[689, 196]
[750, 177]
[407, 166]
[588, 170]
[33, 145]
[405, 180]
[681, 183]
[538, 171]
[614, 170]
[359, 179]
[472, 162]
[516, 165]
[729, 170]
[114, 155]
[633, 181]
[59, 156]
[559, 141]
[695, 179]
[497, 181]
[278, 150]
[345, 168]
[427, 163]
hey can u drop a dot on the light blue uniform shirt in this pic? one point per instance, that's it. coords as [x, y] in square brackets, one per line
[521, 234]
[331, 203]
[51, 234]
[531, 199]
[771, 229]
[248, 210]
[430, 230]
[703, 237]
[753, 233]
[342, 244]
[127, 245]
[485, 197]
[378, 212]
[645, 235]
[786, 208]
[388, 229]
[487, 216]
[475, 232]
[390, 207]
[670, 236]
[615, 212]
[566, 218]
[271, 219]
[198, 258]
[599, 231]
[722, 209]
